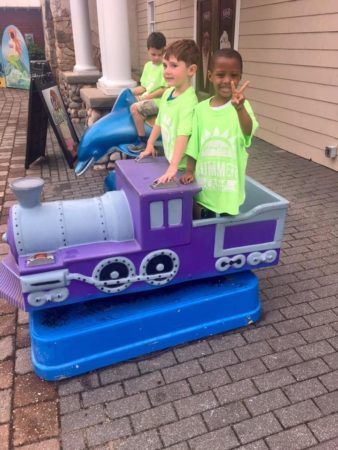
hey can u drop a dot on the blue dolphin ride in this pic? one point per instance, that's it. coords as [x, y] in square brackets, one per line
[111, 131]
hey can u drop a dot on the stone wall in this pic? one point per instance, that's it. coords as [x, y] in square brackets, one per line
[73, 102]
[58, 36]
[71, 85]
[49, 34]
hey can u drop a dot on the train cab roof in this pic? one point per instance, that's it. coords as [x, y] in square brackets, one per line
[140, 176]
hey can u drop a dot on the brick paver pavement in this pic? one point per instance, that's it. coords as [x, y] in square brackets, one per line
[273, 385]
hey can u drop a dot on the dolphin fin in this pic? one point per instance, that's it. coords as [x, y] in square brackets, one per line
[124, 100]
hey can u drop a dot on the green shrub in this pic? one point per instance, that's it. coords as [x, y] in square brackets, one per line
[35, 52]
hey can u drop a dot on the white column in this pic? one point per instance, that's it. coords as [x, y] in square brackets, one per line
[82, 37]
[115, 46]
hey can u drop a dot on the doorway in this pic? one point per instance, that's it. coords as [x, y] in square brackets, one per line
[216, 28]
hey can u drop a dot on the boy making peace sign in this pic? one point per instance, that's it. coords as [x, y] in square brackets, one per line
[222, 130]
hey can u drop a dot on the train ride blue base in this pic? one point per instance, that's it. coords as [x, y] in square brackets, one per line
[74, 339]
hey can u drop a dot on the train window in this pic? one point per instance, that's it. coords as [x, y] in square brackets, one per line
[156, 215]
[175, 211]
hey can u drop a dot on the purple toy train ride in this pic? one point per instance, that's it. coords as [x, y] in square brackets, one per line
[136, 238]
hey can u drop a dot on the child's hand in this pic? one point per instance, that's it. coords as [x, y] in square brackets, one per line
[238, 98]
[149, 151]
[138, 90]
[145, 97]
[168, 176]
[187, 178]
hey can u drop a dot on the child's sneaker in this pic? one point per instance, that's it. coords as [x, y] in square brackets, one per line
[137, 147]
[126, 150]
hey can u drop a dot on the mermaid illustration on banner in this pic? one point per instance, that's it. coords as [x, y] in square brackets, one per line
[59, 115]
[2, 74]
[15, 59]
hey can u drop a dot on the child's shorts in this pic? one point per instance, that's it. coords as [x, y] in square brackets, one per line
[208, 214]
[147, 108]
[200, 212]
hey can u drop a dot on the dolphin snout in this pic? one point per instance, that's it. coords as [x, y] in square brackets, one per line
[82, 166]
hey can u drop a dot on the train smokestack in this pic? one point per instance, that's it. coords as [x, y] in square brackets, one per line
[27, 190]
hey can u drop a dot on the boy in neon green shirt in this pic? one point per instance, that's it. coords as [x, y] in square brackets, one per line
[222, 130]
[174, 120]
[152, 86]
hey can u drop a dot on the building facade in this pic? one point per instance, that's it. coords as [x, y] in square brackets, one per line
[289, 48]
[26, 16]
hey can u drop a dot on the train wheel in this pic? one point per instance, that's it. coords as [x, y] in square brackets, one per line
[225, 263]
[37, 298]
[114, 269]
[164, 263]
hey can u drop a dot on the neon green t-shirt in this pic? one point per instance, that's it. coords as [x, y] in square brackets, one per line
[218, 145]
[152, 79]
[175, 119]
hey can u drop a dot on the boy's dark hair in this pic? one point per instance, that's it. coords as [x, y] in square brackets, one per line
[156, 40]
[185, 50]
[226, 53]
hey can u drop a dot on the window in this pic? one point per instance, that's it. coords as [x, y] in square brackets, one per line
[156, 215]
[29, 38]
[175, 211]
[151, 16]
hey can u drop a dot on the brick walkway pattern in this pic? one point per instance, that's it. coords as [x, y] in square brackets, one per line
[272, 385]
